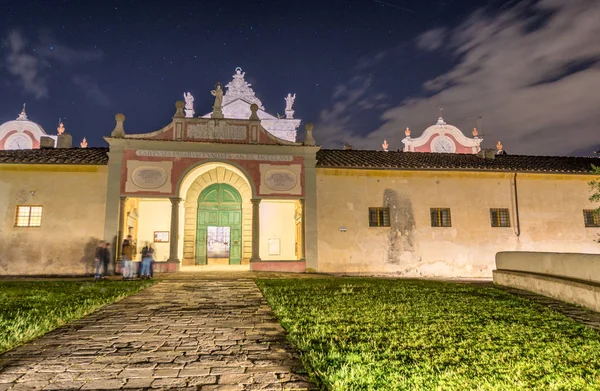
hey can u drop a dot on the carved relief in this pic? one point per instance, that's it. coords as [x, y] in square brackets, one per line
[211, 132]
[280, 180]
[149, 177]
[143, 176]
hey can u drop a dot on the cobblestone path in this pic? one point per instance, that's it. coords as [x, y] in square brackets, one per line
[179, 335]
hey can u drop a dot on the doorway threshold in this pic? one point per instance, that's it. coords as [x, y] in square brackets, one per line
[214, 268]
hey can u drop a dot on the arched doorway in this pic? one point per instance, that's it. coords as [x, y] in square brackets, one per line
[219, 227]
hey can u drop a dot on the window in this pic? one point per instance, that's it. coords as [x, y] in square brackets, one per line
[28, 216]
[379, 217]
[590, 218]
[500, 217]
[440, 217]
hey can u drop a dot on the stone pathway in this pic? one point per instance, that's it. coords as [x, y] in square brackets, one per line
[211, 334]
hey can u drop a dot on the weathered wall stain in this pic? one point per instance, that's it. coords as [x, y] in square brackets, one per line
[402, 222]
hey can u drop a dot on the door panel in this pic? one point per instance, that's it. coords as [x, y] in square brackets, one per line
[219, 205]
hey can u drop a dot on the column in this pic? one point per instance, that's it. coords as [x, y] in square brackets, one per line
[302, 231]
[255, 230]
[174, 235]
[120, 232]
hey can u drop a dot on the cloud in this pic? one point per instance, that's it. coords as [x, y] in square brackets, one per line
[25, 67]
[92, 90]
[531, 71]
[31, 64]
[432, 40]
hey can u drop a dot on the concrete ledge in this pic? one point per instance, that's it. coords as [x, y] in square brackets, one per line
[584, 267]
[278, 266]
[573, 291]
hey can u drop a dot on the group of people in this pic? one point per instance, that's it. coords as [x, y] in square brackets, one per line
[128, 253]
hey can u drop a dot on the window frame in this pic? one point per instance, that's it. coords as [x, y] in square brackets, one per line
[381, 212]
[499, 216]
[29, 216]
[439, 222]
[595, 215]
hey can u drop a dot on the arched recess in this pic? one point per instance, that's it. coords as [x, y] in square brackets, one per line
[205, 176]
[219, 233]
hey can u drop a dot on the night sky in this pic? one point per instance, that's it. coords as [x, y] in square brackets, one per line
[526, 73]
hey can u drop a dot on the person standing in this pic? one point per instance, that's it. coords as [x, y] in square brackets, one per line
[127, 255]
[147, 256]
[99, 260]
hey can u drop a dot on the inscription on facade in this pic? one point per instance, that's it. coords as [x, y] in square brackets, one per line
[280, 180]
[215, 155]
[149, 177]
[211, 132]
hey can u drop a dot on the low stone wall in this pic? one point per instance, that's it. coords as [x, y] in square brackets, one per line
[279, 266]
[570, 277]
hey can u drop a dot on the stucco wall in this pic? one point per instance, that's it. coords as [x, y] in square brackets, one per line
[550, 216]
[73, 201]
[155, 215]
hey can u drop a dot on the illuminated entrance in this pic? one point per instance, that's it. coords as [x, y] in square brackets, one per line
[219, 230]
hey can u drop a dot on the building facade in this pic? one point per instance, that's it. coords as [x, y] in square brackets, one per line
[222, 191]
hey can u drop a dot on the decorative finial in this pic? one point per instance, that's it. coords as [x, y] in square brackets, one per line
[61, 128]
[475, 132]
[23, 115]
[83, 144]
[254, 109]
[385, 145]
[309, 139]
[179, 109]
[119, 130]
[499, 146]
[407, 132]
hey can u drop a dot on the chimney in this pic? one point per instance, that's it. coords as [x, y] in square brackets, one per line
[487, 154]
[46, 142]
[64, 140]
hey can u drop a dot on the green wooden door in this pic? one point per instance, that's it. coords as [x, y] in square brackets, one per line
[219, 205]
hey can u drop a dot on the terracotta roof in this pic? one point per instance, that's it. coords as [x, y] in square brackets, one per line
[446, 161]
[92, 156]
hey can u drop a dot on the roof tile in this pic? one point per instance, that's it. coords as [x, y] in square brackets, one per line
[446, 161]
[91, 156]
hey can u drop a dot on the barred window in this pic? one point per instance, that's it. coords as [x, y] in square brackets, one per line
[28, 216]
[591, 218]
[440, 217]
[500, 217]
[379, 217]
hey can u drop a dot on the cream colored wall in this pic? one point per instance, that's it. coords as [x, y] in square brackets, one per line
[550, 211]
[73, 200]
[277, 222]
[154, 215]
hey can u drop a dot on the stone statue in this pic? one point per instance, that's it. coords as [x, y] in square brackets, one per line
[289, 101]
[218, 94]
[189, 100]
[189, 104]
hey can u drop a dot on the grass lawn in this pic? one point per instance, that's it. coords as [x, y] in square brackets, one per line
[379, 334]
[29, 309]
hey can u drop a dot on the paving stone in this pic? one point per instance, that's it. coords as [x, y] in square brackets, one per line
[103, 384]
[188, 332]
[65, 385]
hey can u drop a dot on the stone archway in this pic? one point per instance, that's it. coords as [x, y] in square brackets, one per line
[217, 173]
